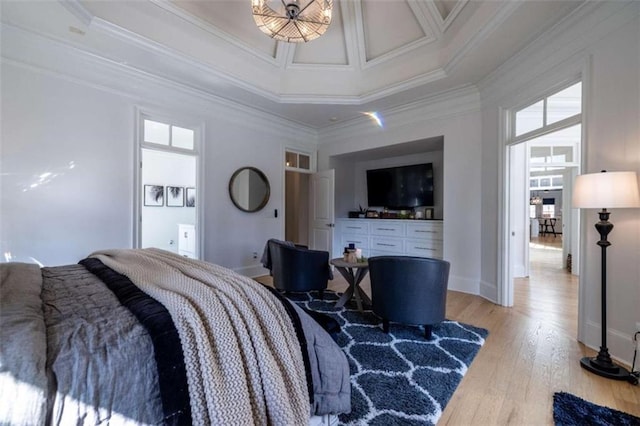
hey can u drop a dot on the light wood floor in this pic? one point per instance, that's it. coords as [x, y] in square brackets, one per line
[530, 353]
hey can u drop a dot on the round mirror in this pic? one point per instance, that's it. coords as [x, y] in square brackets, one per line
[249, 189]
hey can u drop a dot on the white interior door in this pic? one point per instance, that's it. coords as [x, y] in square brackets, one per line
[321, 210]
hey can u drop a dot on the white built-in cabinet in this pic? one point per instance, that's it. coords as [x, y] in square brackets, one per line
[380, 237]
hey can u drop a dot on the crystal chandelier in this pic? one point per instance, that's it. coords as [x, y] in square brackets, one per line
[293, 21]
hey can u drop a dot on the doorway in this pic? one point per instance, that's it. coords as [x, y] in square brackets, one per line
[540, 227]
[297, 207]
[168, 209]
[168, 214]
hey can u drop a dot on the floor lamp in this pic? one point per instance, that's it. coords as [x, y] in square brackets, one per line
[605, 190]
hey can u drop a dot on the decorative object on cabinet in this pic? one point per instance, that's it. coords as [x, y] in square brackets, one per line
[191, 197]
[605, 190]
[175, 196]
[249, 189]
[154, 195]
[428, 213]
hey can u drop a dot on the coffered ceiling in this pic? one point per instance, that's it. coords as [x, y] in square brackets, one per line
[376, 55]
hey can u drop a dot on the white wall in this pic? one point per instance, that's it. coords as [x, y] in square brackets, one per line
[457, 119]
[47, 124]
[600, 42]
[50, 119]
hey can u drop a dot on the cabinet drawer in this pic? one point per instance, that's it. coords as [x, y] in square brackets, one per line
[424, 230]
[424, 248]
[388, 229]
[360, 241]
[389, 245]
[354, 227]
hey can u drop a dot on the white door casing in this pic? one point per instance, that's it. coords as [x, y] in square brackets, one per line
[321, 210]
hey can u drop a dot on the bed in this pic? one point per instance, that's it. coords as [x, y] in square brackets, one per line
[146, 337]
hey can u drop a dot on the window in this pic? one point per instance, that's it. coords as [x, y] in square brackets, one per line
[159, 133]
[297, 161]
[559, 106]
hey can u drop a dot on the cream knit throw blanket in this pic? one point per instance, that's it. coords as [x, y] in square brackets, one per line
[242, 357]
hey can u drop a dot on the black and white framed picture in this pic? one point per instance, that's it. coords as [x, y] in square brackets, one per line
[191, 197]
[175, 196]
[154, 195]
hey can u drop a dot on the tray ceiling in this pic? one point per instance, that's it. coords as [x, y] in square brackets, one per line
[376, 55]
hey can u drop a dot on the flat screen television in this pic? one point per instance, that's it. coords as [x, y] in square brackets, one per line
[402, 187]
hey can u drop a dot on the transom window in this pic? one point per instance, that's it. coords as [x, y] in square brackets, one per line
[297, 161]
[159, 133]
[562, 105]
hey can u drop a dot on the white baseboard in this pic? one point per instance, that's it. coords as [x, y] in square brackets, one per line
[464, 285]
[252, 271]
[621, 345]
[489, 291]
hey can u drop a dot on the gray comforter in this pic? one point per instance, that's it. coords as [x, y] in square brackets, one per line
[71, 354]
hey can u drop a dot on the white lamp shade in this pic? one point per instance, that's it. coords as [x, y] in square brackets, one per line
[606, 190]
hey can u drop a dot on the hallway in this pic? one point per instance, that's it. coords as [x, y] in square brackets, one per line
[550, 293]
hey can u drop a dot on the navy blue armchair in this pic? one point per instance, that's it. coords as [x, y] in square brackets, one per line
[298, 269]
[409, 290]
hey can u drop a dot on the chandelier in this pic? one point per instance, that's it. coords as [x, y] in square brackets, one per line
[293, 21]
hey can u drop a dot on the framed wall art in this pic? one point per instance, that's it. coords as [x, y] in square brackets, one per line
[175, 196]
[154, 195]
[191, 197]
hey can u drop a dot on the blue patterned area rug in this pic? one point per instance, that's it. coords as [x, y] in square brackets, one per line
[398, 378]
[570, 410]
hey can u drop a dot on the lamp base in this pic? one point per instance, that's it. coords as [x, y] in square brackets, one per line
[608, 369]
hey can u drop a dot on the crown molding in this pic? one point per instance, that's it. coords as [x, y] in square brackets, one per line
[498, 19]
[429, 10]
[78, 10]
[371, 96]
[461, 100]
[453, 14]
[389, 56]
[177, 57]
[428, 37]
[211, 29]
[425, 19]
[57, 58]
[349, 31]
[574, 34]
[408, 84]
